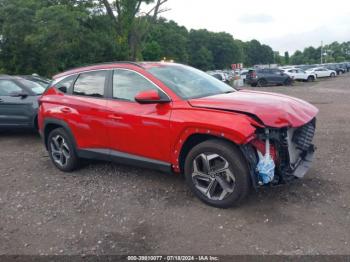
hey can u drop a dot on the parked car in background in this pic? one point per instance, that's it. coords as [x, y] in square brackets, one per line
[264, 77]
[345, 66]
[322, 72]
[19, 102]
[243, 74]
[220, 76]
[175, 118]
[300, 75]
[38, 79]
[306, 67]
[335, 67]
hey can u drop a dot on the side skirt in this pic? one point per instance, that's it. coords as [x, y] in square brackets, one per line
[125, 159]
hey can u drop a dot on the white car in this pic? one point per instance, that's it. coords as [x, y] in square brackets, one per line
[299, 74]
[322, 72]
[219, 75]
[243, 74]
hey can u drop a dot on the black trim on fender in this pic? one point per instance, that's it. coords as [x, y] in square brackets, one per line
[63, 125]
[124, 158]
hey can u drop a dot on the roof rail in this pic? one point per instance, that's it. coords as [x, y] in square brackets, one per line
[66, 72]
[105, 63]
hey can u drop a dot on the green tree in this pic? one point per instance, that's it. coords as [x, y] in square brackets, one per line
[223, 49]
[43, 38]
[203, 59]
[297, 58]
[130, 27]
[171, 38]
[152, 51]
[255, 53]
[286, 58]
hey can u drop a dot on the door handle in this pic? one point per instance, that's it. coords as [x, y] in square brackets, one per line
[115, 117]
[66, 110]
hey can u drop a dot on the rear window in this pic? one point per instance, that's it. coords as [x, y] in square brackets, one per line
[90, 84]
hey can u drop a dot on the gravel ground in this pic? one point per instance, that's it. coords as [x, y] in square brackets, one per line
[109, 209]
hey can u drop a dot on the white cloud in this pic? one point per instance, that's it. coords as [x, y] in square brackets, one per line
[255, 18]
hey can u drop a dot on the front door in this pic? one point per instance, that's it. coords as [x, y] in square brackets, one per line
[14, 110]
[133, 128]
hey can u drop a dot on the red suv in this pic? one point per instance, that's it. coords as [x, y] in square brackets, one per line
[175, 118]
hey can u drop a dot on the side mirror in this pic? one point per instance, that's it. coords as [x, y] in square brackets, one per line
[150, 97]
[20, 94]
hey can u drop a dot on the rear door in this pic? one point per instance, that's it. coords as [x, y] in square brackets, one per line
[84, 109]
[14, 110]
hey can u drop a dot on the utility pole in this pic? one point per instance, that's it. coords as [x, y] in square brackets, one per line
[321, 52]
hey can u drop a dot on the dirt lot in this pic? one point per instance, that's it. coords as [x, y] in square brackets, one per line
[110, 209]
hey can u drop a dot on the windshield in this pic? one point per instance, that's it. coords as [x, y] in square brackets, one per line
[43, 83]
[188, 82]
[33, 86]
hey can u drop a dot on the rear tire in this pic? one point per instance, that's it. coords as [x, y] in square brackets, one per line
[61, 150]
[217, 173]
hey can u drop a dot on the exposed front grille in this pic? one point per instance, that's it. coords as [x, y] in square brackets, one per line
[303, 136]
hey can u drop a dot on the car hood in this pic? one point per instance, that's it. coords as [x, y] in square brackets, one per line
[274, 110]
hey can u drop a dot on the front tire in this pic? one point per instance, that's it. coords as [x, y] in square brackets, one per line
[310, 79]
[332, 75]
[288, 82]
[217, 173]
[261, 83]
[62, 151]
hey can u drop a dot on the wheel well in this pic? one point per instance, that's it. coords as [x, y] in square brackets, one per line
[48, 128]
[191, 142]
[36, 124]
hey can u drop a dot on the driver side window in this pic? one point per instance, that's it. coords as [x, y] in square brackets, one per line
[127, 84]
[7, 87]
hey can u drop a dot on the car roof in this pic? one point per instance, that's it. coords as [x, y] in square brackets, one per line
[6, 77]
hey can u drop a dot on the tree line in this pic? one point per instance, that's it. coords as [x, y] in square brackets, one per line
[334, 52]
[49, 36]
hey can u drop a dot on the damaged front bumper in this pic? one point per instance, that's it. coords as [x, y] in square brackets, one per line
[291, 150]
[304, 163]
